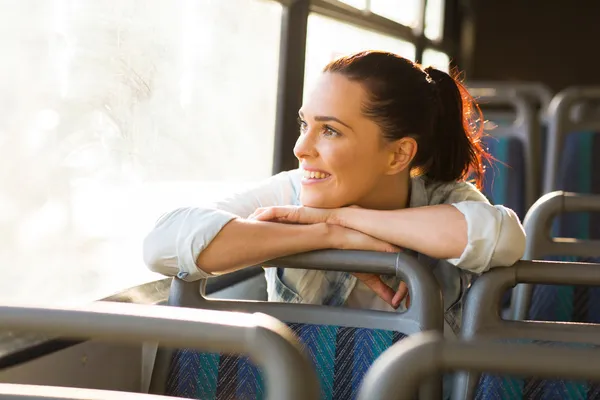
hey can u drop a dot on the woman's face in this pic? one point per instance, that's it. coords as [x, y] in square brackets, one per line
[342, 153]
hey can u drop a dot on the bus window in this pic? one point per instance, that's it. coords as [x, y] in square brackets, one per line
[434, 19]
[328, 39]
[405, 12]
[436, 59]
[360, 4]
[114, 111]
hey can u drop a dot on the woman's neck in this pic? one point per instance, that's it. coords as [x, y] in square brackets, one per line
[391, 193]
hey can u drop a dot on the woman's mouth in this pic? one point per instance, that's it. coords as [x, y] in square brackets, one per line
[314, 176]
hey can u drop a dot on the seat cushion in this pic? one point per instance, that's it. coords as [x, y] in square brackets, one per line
[505, 387]
[341, 356]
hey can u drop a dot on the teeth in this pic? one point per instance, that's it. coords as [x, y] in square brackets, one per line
[315, 175]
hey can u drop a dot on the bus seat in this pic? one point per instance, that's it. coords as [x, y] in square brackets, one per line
[429, 353]
[512, 178]
[268, 341]
[579, 172]
[515, 142]
[573, 140]
[504, 180]
[341, 342]
[481, 320]
[516, 139]
[558, 302]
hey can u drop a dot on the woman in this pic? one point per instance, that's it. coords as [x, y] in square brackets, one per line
[385, 148]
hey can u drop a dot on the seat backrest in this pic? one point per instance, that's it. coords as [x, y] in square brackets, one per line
[513, 179]
[558, 302]
[429, 353]
[341, 342]
[266, 340]
[536, 92]
[481, 320]
[573, 141]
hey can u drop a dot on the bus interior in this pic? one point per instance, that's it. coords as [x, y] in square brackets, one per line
[113, 112]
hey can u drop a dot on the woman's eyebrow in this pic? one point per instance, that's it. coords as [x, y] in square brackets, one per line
[327, 118]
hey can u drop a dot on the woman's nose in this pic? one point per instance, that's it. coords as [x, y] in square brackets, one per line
[305, 146]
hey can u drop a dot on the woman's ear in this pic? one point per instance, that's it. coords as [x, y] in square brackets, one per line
[401, 154]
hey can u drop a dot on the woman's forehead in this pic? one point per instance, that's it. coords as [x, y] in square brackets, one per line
[334, 93]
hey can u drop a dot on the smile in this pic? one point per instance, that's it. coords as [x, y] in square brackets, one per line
[314, 176]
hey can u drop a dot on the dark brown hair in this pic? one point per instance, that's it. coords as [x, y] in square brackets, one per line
[427, 104]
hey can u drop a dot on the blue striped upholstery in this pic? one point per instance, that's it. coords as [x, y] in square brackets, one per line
[579, 172]
[505, 179]
[493, 387]
[341, 356]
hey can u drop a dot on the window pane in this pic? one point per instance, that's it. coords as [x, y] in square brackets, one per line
[328, 39]
[434, 19]
[405, 12]
[109, 109]
[436, 59]
[360, 4]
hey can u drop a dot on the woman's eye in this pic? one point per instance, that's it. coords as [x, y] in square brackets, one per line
[329, 131]
[302, 125]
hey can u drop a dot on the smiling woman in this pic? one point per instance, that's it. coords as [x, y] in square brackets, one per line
[385, 147]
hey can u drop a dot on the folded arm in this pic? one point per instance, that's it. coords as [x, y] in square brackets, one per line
[196, 242]
[463, 228]
[466, 230]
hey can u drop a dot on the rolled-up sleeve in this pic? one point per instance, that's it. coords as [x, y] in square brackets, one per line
[172, 247]
[179, 237]
[495, 234]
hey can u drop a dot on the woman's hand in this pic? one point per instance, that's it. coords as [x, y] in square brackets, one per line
[349, 239]
[339, 238]
[295, 215]
[382, 290]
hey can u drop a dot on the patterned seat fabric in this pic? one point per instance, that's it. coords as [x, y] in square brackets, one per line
[505, 180]
[579, 172]
[495, 387]
[341, 356]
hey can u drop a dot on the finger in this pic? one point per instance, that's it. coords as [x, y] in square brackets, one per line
[389, 248]
[267, 214]
[401, 293]
[375, 283]
[378, 245]
[256, 212]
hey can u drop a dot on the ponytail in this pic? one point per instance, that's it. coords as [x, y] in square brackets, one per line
[455, 151]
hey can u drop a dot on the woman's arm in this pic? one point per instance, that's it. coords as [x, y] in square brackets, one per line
[473, 235]
[464, 228]
[242, 243]
[437, 231]
[194, 243]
